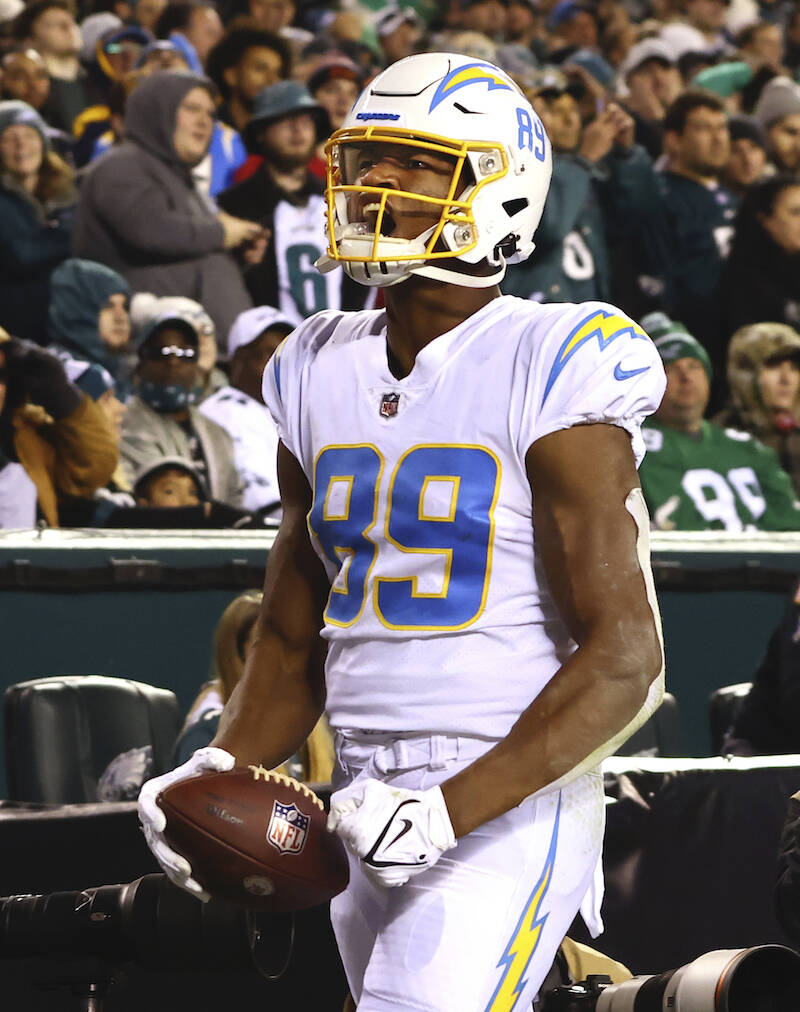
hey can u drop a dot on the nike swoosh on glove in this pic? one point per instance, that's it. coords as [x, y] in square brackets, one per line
[397, 833]
[153, 820]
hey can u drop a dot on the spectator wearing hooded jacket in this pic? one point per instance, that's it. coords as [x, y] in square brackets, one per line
[764, 384]
[141, 214]
[37, 200]
[89, 319]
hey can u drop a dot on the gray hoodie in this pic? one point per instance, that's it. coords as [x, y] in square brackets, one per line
[140, 214]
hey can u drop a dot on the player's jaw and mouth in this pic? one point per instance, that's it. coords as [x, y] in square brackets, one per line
[402, 218]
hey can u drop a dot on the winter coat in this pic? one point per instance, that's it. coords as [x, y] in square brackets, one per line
[587, 206]
[141, 215]
[73, 456]
[761, 281]
[146, 434]
[34, 238]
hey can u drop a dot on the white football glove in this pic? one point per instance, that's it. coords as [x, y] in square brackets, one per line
[397, 833]
[153, 820]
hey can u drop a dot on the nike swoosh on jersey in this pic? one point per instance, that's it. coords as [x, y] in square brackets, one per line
[626, 374]
[370, 858]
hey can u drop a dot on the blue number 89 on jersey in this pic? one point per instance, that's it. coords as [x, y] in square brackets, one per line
[439, 502]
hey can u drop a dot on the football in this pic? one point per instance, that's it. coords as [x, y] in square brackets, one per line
[255, 838]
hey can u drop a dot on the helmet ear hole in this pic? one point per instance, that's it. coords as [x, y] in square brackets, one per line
[512, 207]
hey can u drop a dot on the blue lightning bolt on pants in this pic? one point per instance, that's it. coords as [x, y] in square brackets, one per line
[479, 930]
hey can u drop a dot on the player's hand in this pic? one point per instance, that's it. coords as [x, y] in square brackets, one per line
[153, 820]
[397, 833]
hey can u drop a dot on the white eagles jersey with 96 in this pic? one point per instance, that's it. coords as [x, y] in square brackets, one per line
[439, 617]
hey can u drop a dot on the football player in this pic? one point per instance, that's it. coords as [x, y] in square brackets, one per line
[465, 537]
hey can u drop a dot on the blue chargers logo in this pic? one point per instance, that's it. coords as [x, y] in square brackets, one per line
[471, 73]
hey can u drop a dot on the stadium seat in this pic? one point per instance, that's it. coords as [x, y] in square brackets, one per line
[62, 733]
[723, 706]
[660, 735]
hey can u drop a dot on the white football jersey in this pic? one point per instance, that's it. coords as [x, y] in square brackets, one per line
[439, 617]
[255, 446]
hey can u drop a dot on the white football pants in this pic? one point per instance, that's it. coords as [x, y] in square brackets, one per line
[479, 930]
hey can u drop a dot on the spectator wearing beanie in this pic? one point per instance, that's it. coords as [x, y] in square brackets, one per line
[141, 214]
[37, 202]
[748, 158]
[777, 112]
[695, 476]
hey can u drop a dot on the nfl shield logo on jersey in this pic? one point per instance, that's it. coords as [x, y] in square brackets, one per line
[287, 828]
[389, 405]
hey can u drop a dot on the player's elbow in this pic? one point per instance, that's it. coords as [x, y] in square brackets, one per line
[639, 657]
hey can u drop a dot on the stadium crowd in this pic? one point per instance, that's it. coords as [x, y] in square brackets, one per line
[162, 176]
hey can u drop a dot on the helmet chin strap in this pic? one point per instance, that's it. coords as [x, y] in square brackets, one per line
[457, 278]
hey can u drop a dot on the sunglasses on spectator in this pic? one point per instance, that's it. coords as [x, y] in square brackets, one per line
[168, 351]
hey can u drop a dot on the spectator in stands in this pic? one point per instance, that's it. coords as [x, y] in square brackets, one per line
[76, 511]
[777, 112]
[240, 410]
[683, 236]
[748, 158]
[652, 83]
[767, 721]
[147, 12]
[232, 638]
[334, 83]
[399, 32]
[194, 26]
[146, 307]
[242, 64]
[89, 319]
[168, 492]
[599, 179]
[573, 24]
[695, 476]
[164, 237]
[286, 200]
[161, 419]
[49, 26]
[791, 56]
[54, 440]
[700, 29]
[25, 78]
[37, 201]
[764, 383]
[761, 280]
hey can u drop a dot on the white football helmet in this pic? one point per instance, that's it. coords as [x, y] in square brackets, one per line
[471, 114]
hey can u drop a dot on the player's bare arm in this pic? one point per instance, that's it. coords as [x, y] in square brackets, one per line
[580, 479]
[281, 694]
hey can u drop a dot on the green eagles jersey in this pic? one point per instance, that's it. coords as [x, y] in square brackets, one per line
[722, 480]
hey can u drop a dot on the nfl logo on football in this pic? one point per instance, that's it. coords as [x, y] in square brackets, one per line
[287, 828]
[389, 405]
